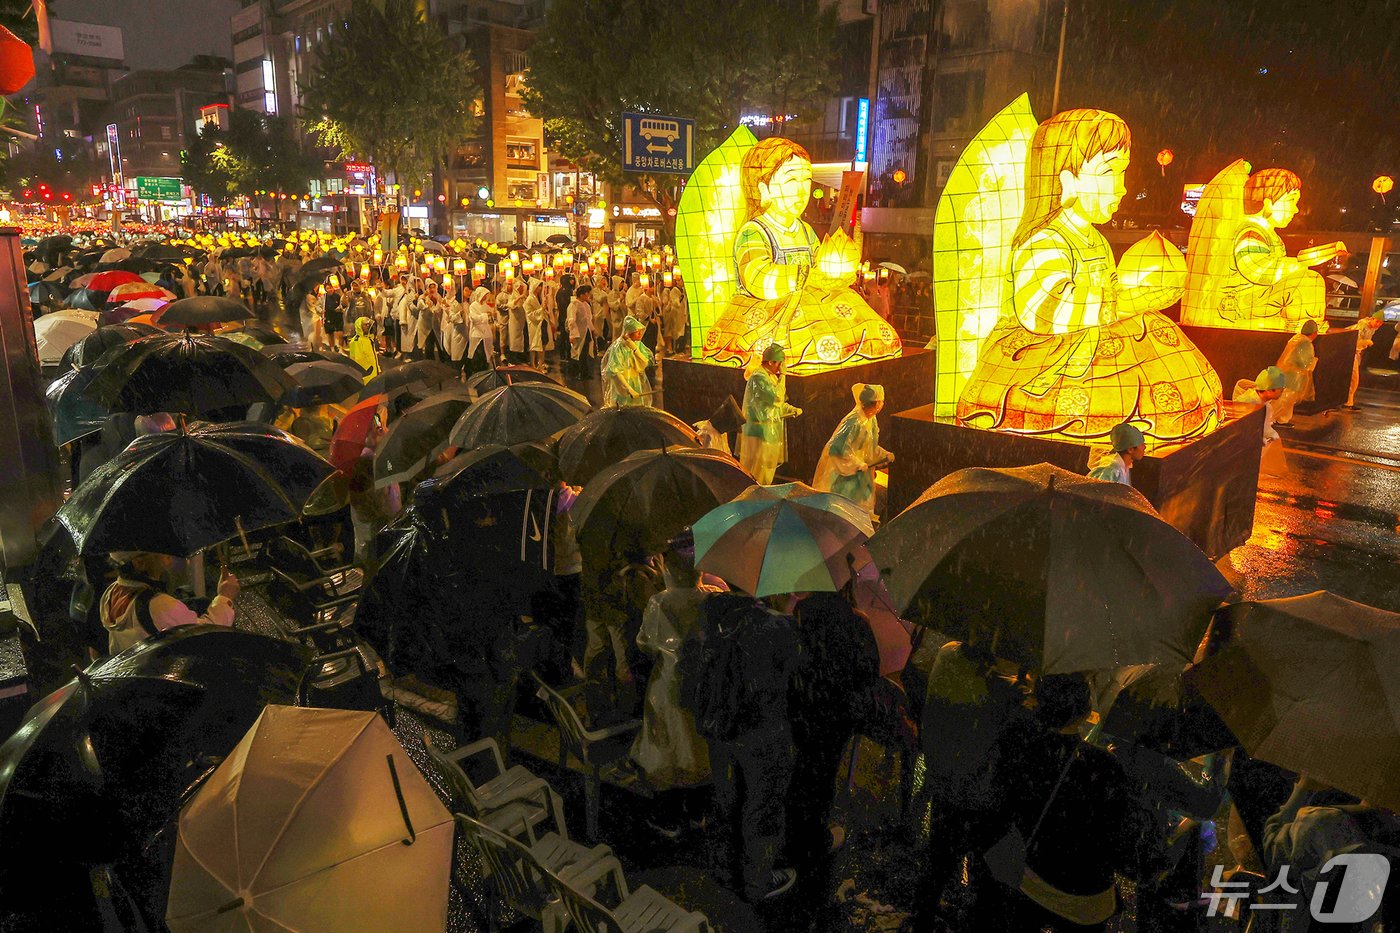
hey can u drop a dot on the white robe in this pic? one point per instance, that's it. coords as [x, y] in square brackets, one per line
[481, 330]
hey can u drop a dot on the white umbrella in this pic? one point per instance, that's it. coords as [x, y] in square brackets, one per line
[59, 330]
[1346, 280]
[116, 255]
[318, 820]
[893, 267]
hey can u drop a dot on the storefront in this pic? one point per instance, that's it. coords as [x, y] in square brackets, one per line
[525, 225]
[637, 225]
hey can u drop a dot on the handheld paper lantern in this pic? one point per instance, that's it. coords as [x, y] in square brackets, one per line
[1383, 185]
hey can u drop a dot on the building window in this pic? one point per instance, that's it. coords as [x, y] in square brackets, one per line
[958, 101]
[165, 132]
[521, 189]
[244, 35]
[520, 152]
[252, 64]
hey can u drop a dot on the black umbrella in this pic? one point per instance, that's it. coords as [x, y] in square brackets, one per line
[492, 469]
[164, 251]
[188, 373]
[418, 435]
[534, 455]
[423, 374]
[100, 765]
[89, 350]
[605, 437]
[285, 354]
[559, 238]
[181, 492]
[50, 247]
[1042, 566]
[530, 411]
[1150, 705]
[485, 381]
[322, 382]
[637, 506]
[72, 414]
[203, 309]
[263, 334]
[317, 269]
[48, 293]
[86, 299]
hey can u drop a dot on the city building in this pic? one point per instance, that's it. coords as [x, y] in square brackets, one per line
[157, 112]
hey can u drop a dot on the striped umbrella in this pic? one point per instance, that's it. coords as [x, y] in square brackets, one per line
[783, 539]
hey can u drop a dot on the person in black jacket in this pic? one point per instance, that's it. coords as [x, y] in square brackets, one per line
[738, 689]
[828, 699]
[561, 315]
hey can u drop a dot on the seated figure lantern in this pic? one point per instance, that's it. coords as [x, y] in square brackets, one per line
[1239, 274]
[755, 272]
[1039, 331]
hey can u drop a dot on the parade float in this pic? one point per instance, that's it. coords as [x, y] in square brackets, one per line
[756, 273]
[1245, 296]
[1045, 343]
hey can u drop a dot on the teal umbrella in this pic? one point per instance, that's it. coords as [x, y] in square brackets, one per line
[71, 412]
[783, 539]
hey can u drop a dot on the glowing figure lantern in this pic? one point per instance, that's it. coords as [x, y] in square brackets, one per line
[1077, 347]
[1239, 275]
[755, 271]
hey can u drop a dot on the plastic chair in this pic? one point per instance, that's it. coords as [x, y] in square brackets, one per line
[517, 882]
[513, 801]
[644, 910]
[592, 747]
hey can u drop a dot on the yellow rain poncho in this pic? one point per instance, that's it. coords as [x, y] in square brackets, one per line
[852, 454]
[361, 349]
[625, 365]
[763, 440]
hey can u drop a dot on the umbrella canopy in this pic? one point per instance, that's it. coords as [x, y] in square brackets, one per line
[1346, 280]
[71, 412]
[57, 331]
[1050, 569]
[89, 350]
[285, 354]
[485, 381]
[530, 411]
[104, 762]
[418, 435]
[492, 469]
[211, 481]
[187, 373]
[1151, 705]
[138, 289]
[107, 281]
[893, 267]
[783, 539]
[635, 507]
[559, 238]
[352, 433]
[318, 268]
[264, 334]
[605, 437]
[323, 382]
[125, 312]
[422, 375]
[116, 255]
[1312, 684]
[316, 815]
[86, 299]
[203, 309]
[45, 293]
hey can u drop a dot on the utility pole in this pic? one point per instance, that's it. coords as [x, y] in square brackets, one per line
[1060, 59]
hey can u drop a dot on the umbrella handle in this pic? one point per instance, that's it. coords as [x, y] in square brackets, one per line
[403, 807]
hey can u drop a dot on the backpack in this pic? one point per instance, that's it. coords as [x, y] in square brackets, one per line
[712, 683]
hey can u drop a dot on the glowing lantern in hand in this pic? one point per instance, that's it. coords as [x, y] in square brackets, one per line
[838, 257]
[1383, 185]
[1164, 158]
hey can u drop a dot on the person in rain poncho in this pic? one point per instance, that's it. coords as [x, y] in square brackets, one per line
[674, 317]
[406, 311]
[1128, 448]
[1365, 337]
[581, 334]
[312, 321]
[617, 304]
[454, 329]
[361, 348]
[853, 454]
[625, 365]
[136, 606]
[763, 443]
[602, 322]
[1265, 390]
[668, 749]
[516, 341]
[1297, 361]
[538, 326]
[481, 331]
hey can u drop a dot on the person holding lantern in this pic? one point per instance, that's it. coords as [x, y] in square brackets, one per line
[481, 331]
[625, 363]
[763, 439]
[853, 453]
[538, 325]
[674, 318]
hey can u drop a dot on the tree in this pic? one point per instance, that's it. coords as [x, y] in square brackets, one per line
[65, 165]
[255, 153]
[387, 88]
[714, 61]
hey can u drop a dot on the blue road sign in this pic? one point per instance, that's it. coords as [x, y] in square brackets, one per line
[653, 143]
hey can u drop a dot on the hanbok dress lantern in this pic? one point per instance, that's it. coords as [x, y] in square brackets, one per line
[1074, 347]
[756, 273]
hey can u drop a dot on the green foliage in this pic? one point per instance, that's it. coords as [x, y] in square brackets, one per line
[710, 60]
[76, 172]
[256, 153]
[387, 88]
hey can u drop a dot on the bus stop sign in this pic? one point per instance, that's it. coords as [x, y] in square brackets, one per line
[653, 143]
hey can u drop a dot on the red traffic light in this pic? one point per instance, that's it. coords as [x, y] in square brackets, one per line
[67, 196]
[48, 195]
[43, 187]
[28, 193]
